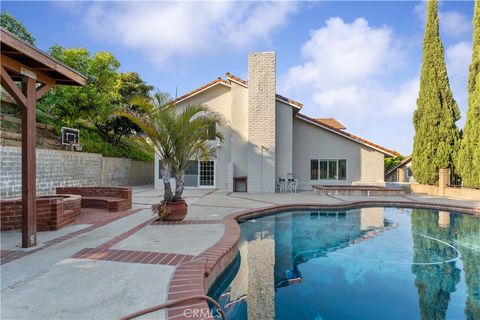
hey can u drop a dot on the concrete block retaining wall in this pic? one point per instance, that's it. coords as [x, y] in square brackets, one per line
[57, 168]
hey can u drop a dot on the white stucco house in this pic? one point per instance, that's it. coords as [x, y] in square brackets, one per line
[267, 137]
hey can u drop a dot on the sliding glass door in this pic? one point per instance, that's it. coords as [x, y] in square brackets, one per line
[191, 174]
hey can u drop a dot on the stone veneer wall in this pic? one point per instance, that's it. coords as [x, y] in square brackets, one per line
[261, 122]
[57, 168]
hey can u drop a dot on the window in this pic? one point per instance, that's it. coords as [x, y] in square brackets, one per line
[409, 172]
[332, 169]
[191, 174]
[211, 132]
[207, 173]
[335, 169]
[314, 169]
[342, 169]
[323, 169]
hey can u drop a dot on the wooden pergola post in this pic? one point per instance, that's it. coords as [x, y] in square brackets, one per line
[29, 187]
[37, 73]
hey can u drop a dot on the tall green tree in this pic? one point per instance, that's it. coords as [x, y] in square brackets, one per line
[15, 27]
[95, 101]
[436, 135]
[468, 160]
[129, 85]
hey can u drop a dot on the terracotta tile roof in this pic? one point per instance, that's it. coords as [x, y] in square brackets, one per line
[279, 97]
[204, 87]
[289, 101]
[404, 161]
[231, 76]
[238, 80]
[332, 122]
[349, 135]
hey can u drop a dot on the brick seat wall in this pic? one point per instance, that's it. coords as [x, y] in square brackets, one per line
[109, 198]
[53, 212]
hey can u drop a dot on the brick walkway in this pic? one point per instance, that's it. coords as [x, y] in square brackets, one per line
[95, 217]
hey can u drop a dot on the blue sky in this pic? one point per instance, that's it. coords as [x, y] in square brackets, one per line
[356, 61]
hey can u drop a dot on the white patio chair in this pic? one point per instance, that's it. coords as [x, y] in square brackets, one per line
[292, 185]
[280, 185]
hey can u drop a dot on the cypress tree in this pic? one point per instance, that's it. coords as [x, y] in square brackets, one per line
[468, 160]
[436, 135]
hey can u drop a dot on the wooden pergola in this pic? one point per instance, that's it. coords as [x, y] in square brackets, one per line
[27, 74]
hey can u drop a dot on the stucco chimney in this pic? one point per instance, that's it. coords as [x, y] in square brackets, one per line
[261, 122]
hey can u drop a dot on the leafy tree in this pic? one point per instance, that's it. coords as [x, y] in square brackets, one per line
[392, 162]
[468, 160]
[95, 101]
[436, 135]
[129, 85]
[15, 27]
[178, 136]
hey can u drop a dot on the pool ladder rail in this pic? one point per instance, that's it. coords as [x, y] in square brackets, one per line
[174, 302]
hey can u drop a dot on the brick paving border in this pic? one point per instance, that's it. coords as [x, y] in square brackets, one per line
[130, 256]
[196, 276]
[186, 222]
[10, 255]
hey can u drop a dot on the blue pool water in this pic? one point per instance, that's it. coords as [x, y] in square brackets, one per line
[366, 263]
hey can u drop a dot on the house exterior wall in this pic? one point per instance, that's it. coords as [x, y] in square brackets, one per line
[312, 142]
[217, 99]
[401, 174]
[283, 139]
[264, 140]
[239, 129]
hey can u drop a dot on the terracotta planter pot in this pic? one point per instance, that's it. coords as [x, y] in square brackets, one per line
[176, 210]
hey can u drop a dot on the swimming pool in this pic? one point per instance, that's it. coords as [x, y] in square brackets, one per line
[365, 263]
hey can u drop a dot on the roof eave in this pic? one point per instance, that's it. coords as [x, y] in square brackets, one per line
[346, 135]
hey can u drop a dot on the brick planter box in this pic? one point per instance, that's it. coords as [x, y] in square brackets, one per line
[53, 212]
[108, 198]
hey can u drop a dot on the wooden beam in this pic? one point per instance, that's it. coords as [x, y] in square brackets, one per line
[16, 67]
[29, 192]
[43, 89]
[12, 88]
[41, 57]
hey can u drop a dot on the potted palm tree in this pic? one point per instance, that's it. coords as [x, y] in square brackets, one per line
[178, 136]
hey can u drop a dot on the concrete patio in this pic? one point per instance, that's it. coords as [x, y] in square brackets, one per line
[64, 277]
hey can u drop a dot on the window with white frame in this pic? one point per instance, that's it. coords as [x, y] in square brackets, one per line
[211, 132]
[328, 169]
[207, 173]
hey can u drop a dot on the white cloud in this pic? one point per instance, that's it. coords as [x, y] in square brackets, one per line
[162, 30]
[350, 72]
[344, 70]
[452, 23]
[340, 53]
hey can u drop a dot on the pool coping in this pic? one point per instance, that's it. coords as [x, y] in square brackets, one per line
[197, 276]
